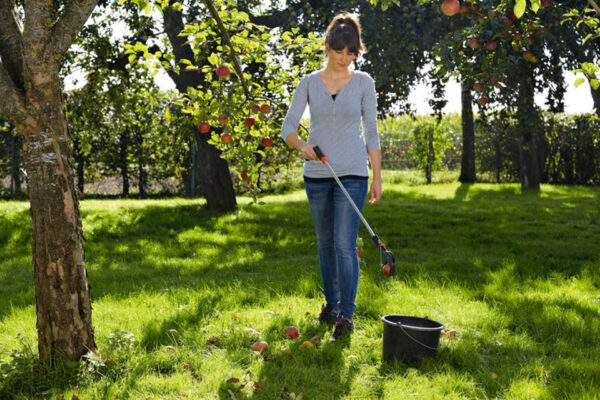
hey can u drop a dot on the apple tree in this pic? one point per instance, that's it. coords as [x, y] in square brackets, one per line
[34, 37]
[240, 84]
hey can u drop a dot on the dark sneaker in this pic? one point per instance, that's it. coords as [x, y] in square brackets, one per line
[328, 314]
[342, 326]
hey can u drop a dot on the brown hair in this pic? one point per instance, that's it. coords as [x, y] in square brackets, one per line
[345, 31]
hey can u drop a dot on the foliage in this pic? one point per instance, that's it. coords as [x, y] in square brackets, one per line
[234, 94]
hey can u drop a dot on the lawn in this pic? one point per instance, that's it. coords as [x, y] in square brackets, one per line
[517, 275]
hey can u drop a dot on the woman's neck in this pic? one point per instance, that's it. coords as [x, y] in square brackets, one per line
[331, 73]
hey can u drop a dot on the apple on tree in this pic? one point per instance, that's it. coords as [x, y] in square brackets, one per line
[223, 71]
[265, 108]
[204, 127]
[267, 142]
[255, 109]
[474, 43]
[226, 138]
[249, 121]
[482, 101]
[223, 119]
[450, 7]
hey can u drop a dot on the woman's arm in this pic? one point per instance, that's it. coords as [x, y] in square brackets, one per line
[293, 140]
[376, 187]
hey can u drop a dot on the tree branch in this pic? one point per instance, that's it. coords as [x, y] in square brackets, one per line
[11, 42]
[12, 102]
[225, 35]
[68, 26]
[594, 6]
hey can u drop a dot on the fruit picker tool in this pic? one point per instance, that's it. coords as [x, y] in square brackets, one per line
[388, 263]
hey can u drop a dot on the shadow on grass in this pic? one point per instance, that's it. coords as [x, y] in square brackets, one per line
[264, 252]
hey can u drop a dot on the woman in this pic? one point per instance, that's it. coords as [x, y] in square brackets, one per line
[338, 96]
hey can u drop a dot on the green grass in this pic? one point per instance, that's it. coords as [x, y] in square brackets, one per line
[516, 274]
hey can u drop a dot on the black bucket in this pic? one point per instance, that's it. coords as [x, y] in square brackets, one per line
[409, 338]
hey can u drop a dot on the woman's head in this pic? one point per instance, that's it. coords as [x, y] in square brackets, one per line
[344, 32]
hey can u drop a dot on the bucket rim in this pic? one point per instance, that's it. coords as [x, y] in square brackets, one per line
[411, 327]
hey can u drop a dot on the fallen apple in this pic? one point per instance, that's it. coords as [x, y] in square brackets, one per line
[249, 121]
[267, 142]
[223, 71]
[315, 339]
[450, 7]
[291, 332]
[307, 344]
[204, 127]
[260, 346]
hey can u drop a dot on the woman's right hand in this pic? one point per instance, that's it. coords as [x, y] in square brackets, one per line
[308, 151]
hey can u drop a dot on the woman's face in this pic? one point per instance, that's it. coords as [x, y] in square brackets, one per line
[339, 60]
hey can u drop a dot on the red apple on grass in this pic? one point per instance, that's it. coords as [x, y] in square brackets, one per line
[450, 7]
[260, 346]
[204, 127]
[291, 332]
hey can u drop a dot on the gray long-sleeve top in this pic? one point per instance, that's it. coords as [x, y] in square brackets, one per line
[334, 123]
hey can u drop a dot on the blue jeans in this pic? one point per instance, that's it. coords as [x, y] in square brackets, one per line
[336, 225]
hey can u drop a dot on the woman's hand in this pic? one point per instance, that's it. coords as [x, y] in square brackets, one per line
[376, 191]
[308, 151]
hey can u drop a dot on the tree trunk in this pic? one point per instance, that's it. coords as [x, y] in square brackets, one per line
[15, 165]
[528, 124]
[63, 307]
[140, 155]
[31, 99]
[219, 192]
[467, 168]
[123, 143]
[596, 98]
[429, 155]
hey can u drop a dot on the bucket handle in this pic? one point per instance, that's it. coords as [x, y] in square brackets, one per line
[399, 324]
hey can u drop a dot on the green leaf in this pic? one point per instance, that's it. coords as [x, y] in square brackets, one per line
[579, 81]
[589, 35]
[519, 9]
[168, 115]
[594, 84]
[535, 5]
[131, 58]
[176, 6]
[213, 59]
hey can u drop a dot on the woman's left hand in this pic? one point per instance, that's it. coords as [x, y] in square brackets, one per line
[376, 191]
